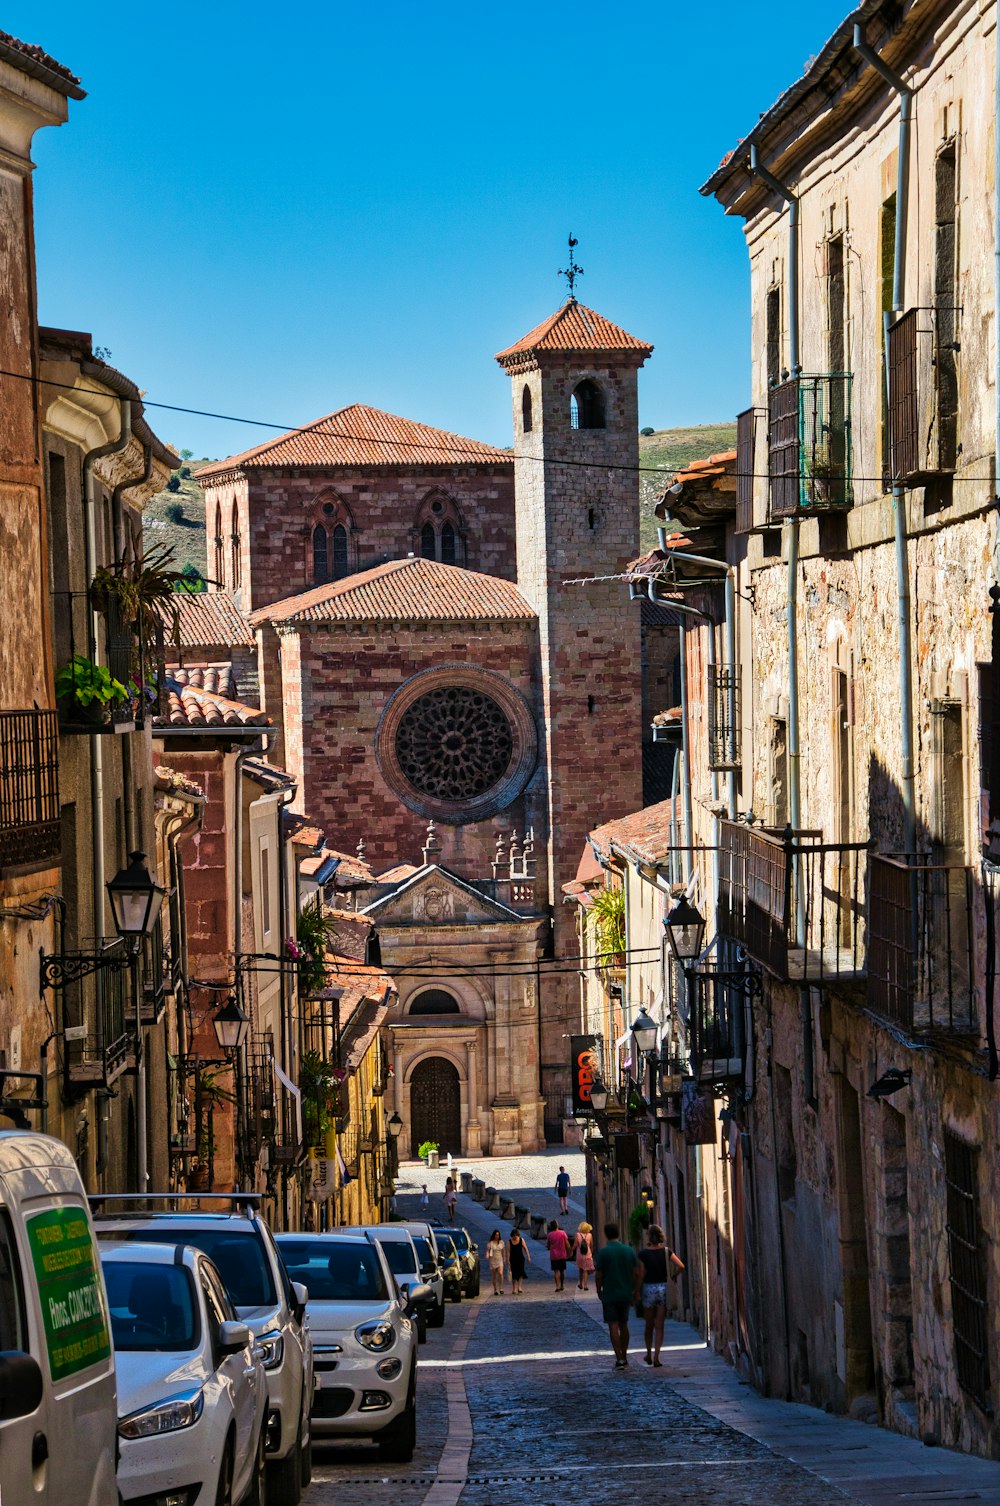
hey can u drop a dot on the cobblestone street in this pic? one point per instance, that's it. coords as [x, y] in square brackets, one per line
[518, 1399]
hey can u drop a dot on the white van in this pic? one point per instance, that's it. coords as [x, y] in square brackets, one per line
[58, 1408]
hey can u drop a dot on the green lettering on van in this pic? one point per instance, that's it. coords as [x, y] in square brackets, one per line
[69, 1291]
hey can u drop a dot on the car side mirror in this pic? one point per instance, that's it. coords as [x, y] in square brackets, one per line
[234, 1337]
[301, 1295]
[418, 1294]
[21, 1385]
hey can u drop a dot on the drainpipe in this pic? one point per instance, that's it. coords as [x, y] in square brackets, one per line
[907, 779]
[287, 1023]
[90, 566]
[996, 270]
[118, 526]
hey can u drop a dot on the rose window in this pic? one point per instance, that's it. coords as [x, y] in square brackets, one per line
[454, 743]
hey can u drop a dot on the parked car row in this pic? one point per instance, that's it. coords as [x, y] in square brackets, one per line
[212, 1350]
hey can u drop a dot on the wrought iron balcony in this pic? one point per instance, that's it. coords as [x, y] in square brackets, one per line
[795, 902]
[921, 972]
[101, 1051]
[154, 976]
[29, 790]
[719, 1023]
[809, 445]
[724, 741]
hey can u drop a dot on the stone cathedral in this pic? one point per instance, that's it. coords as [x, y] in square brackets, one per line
[452, 683]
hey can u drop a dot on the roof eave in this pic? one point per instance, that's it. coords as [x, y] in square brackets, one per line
[25, 63]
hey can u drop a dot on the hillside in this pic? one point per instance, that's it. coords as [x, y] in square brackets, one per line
[185, 534]
[670, 450]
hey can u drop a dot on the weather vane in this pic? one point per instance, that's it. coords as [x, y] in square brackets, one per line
[572, 272]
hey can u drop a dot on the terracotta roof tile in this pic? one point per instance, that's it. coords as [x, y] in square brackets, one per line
[359, 435]
[217, 678]
[173, 783]
[404, 590]
[352, 872]
[267, 775]
[573, 327]
[199, 709]
[706, 494]
[310, 837]
[644, 836]
[44, 65]
[209, 618]
[398, 874]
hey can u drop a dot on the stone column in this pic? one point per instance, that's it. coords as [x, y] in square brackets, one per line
[473, 1138]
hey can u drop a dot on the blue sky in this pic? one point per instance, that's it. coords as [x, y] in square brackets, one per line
[275, 211]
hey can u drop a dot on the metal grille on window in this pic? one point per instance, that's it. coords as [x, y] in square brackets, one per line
[723, 718]
[967, 1268]
[454, 743]
[745, 454]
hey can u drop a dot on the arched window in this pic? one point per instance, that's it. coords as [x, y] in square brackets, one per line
[448, 545]
[438, 530]
[586, 406]
[435, 1001]
[321, 555]
[340, 565]
[219, 556]
[235, 545]
[526, 409]
[428, 542]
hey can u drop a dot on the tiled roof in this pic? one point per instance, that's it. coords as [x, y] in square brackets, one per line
[398, 874]
[667, 718]
[352, 871]
[407, 590]
[199, 709]
[217, 678]
[574, 327]
[302, 834]
[703, 493]
[644, 836]
[349, 932]
[267, 775]
[653, 615]
[359, 435]
[209, 618]
[173, 783]
[32, 59]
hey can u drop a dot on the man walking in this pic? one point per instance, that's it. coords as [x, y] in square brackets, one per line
[615, 1275]
[563, 1185]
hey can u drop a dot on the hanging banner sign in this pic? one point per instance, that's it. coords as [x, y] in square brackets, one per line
[584, 1068]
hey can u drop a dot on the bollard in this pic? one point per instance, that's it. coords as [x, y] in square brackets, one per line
[492, 1199]
[466, 1182]
[538, 1226]
[520, 1217]
[478, 1189]
[506, 1207]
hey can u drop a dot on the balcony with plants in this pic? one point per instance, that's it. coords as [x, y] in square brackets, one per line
[809, 445]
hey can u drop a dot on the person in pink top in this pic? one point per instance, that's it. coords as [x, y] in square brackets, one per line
[558, 1243]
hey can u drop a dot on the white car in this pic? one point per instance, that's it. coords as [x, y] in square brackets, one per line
[404, 1263]
[425, 1243]
[364, 1341]
[192, 1395]
[242, 1247]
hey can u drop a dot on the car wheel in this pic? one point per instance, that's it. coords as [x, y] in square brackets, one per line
[422, 1328]
[306, 1462]
[224, 1492]
[284, 1477]
[436, 1315]
[396, 1444]
[456, 1295]
[256, 1494]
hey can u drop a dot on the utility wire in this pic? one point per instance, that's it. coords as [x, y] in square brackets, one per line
[452, 450]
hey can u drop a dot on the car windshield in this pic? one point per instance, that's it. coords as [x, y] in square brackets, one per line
[399, 1254]
[423, 1249]
[460, 1240]
[152, 1306]
[446, 1246]
[238, 1255]
[334, 1271]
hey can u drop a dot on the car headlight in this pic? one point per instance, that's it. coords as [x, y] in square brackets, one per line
[379, 1335]
[165, 1416]
[270, 1350]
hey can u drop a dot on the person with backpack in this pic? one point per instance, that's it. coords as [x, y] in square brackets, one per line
[583, 1254]
[563, 1186]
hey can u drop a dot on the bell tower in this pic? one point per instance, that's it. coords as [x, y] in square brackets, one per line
[574, 384]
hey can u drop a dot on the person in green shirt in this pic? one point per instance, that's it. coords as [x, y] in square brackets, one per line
[615, 1275]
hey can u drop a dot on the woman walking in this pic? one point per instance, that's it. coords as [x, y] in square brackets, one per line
[496, 1254]
[558, 1243]
[518, 1256]
[583, 1254]
[656, 1266]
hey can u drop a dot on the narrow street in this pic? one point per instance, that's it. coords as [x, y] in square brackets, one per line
[518, 1400]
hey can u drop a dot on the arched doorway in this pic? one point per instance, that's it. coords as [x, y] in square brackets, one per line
[436, 1106]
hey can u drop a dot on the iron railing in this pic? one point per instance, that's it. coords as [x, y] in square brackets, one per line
[30, 833]
[795, 902]
[746, 455]
[921, 972]
[154, 976]
[718, 1022]
[723, 718]
[101, 1054]
[809, 444]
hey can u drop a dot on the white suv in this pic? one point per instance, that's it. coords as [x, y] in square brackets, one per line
[242, 1248]
[192, 1397]
[366, 1344]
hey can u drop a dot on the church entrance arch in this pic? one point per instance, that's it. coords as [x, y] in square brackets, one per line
[436, 1105]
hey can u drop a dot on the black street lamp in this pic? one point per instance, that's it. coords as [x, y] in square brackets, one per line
[231, 1025]
[645, 1030]
[394, 1125]
[685, 928]
[135, 900]
[598, 1096]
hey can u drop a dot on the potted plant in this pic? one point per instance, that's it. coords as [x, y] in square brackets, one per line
[821, 474]
[142, 596]
[428, 1152]
[319, 1084]
[87, 691]
[209, 1094]
[313, 934]
[608, 911]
